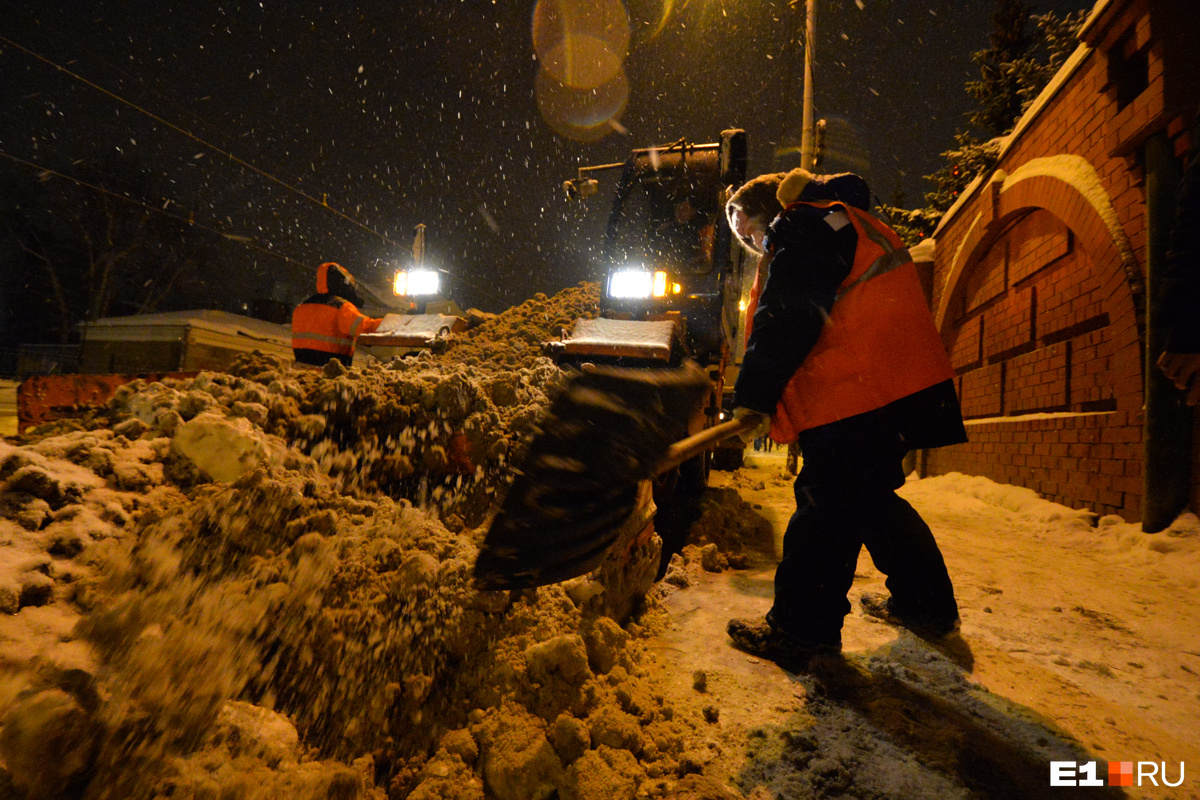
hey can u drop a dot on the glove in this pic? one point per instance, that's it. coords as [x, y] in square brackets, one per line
[761, 428]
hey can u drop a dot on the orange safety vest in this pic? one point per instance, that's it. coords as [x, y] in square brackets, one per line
[328, 325]
[879, 342]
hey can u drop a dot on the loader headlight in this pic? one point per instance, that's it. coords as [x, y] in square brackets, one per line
[637, 284]
[416, 282]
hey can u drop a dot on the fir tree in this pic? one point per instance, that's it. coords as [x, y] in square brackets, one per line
[1001, 70]
[1012, 72]
[1058, 37]
[972, 157]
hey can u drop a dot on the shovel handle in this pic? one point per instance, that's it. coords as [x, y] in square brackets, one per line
[706, 439]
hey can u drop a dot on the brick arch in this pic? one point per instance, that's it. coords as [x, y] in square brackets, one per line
[1069, 188]
[1040, 314]
[968, 252]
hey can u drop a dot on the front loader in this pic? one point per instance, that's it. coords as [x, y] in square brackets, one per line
[636, 426]
[426, 317]
[675, 278]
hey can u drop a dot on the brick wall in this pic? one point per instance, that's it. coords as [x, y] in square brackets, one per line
[1083, 461]
[1032, 344]
[1038, 277]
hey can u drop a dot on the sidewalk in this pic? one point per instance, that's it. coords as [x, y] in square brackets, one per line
[1079, 642]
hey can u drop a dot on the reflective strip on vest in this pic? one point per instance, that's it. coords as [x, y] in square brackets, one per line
[893, 257]
[318, 337]
[315, 327]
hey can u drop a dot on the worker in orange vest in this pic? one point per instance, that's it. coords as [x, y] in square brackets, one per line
[844, 359]
[326, 325]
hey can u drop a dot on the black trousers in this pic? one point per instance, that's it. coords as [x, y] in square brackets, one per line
[846, 499]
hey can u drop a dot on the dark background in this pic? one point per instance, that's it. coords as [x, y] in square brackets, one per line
[372, 117]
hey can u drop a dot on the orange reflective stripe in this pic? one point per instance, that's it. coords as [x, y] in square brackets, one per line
[318, 337]
[892, 257]
[315, 327]
[349, 320]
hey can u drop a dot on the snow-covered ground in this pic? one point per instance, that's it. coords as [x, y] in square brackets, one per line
[1080, 641]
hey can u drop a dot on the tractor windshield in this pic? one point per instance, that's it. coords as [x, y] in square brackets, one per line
[666, 213]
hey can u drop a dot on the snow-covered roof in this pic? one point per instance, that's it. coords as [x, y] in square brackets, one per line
[205, 318]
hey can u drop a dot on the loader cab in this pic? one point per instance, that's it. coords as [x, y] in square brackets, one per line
[669, 253]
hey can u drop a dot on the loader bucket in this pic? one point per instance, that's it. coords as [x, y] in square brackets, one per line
[607, 431]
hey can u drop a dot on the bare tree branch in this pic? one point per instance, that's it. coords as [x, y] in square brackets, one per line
[41, 255]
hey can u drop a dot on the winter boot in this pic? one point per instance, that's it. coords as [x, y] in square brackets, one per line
[760, 638]
[879, 606]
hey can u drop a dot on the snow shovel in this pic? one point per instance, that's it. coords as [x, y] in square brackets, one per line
[610, 429]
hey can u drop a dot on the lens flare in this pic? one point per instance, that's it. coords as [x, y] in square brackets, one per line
[582, 115]
[581, 43]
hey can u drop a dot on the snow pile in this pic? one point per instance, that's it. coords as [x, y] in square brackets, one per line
[257, 584]
[1024, 503]
[1173, 552]
[725, 534]
[516, 337]
[435, 428]
[345, 628]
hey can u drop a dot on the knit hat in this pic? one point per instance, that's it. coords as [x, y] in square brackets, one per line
[792, 185]
[844, 187]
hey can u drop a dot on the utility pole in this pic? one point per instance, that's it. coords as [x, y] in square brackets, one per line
[807, 125]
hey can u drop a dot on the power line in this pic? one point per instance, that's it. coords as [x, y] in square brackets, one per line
[214, 148]
[321, 202]
[245, 241]
[210, 127]
[242, 240]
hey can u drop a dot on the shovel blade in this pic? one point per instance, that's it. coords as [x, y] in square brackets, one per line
[606, 432]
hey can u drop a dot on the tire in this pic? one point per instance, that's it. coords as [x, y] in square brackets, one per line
[728, 459]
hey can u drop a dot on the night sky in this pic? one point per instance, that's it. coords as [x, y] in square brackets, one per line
[328, 130]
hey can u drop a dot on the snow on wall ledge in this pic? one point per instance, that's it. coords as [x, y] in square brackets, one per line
[1071, 170]
[1076, 172]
